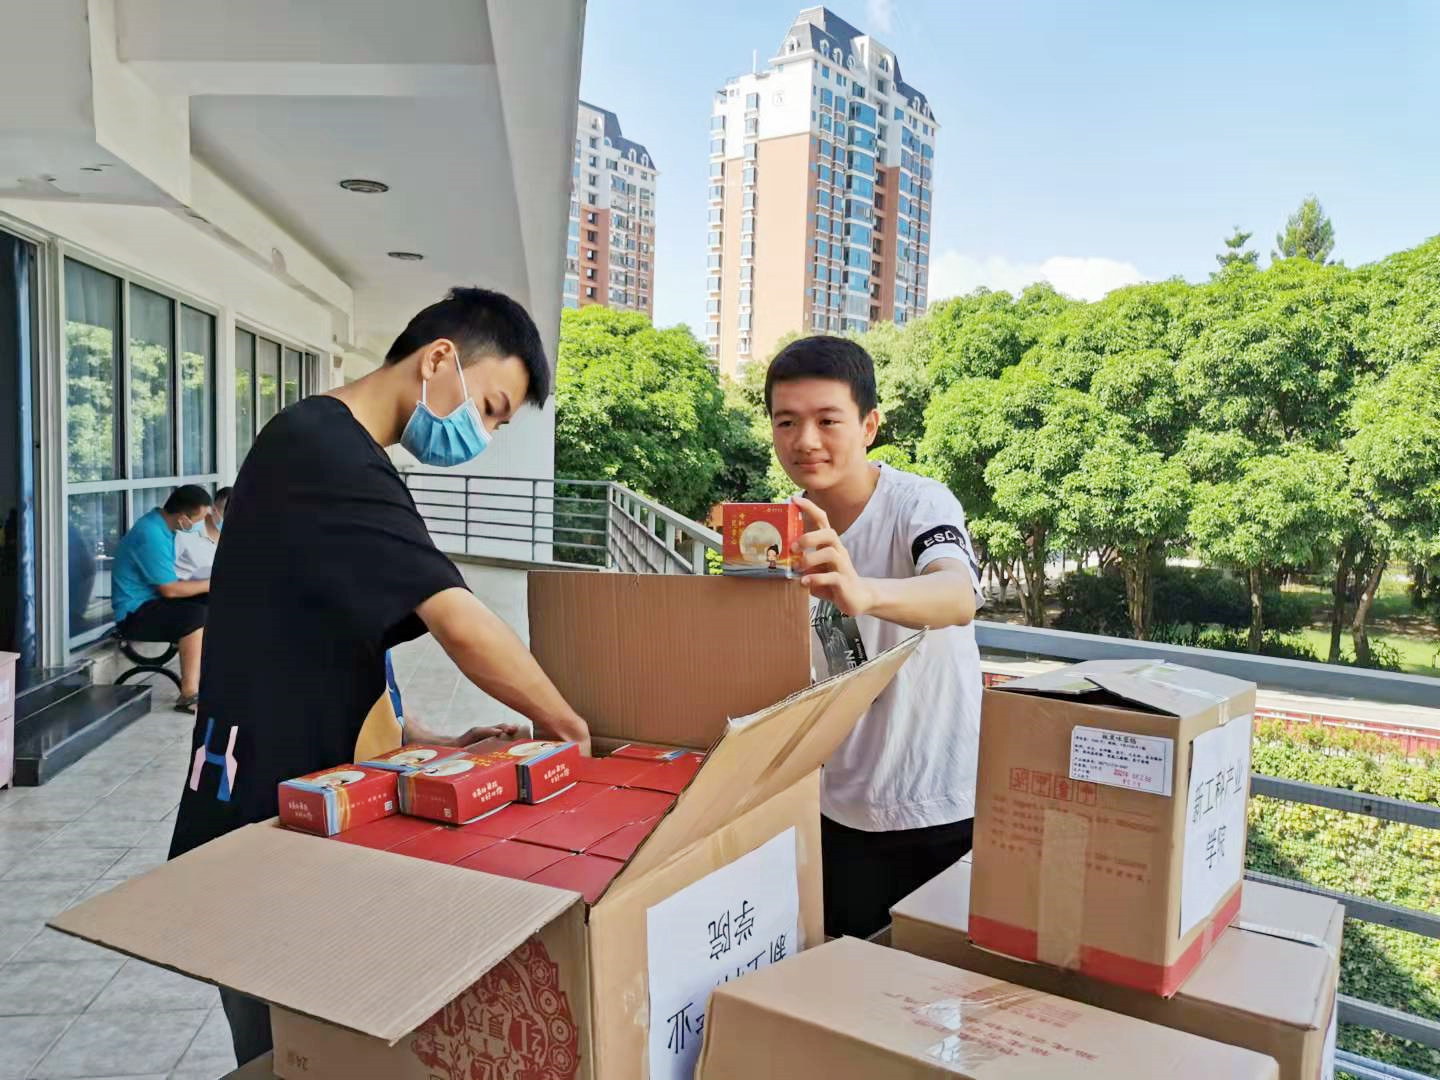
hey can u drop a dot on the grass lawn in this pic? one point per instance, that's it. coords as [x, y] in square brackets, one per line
[1393, 621]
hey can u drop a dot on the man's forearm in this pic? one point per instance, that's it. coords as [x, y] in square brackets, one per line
[493, 658]
[944, 598]
[174, 590]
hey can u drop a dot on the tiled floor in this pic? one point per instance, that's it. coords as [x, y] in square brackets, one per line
[69, 1009]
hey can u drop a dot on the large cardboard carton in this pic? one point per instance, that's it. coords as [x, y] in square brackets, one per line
[852, 1010]
[518, 978]
[1268, 985]
[1110, 818]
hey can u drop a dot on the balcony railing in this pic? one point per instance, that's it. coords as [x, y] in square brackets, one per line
[583, 524]
[602, 524]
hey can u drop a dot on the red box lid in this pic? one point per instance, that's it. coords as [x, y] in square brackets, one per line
[512, 859]
[586, 874]
[671, 776]
[622, 843]
[576, 830]
[620, 772]
[511, 820]
[444, 845]
[386, 833]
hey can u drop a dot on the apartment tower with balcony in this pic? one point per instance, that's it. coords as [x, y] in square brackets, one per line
[819, 197]
[610, 253]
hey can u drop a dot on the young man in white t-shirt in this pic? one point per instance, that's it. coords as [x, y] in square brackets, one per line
[887, 554]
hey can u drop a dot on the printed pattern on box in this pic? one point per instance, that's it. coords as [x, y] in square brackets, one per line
[338, 799]
[758, 538]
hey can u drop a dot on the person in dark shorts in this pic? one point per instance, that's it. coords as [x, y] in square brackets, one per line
[326, 564]
[151, 603]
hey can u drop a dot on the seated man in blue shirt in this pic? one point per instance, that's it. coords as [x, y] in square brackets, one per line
[151, 604]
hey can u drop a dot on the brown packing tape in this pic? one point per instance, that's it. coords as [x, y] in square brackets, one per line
[1064, 842]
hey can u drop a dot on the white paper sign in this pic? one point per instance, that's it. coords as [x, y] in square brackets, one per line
[740, 918]
[1120, 759]
[1214, 855]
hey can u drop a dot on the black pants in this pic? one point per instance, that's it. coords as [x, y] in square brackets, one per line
[166, 618]
[867, 873]
[249, 1025]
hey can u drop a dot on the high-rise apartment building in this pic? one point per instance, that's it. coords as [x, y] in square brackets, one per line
[820, 184]
[610, 254]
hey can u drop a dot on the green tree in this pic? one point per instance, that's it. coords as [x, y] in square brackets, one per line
[1005, 447]
[1235, 250]
[1129, 498]
[1395, 453]
[642, 406]
[902, 381]
[1308, 234]
[1283, 511]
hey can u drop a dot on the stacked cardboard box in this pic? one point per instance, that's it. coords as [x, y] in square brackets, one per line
[1110, 819]
[851, 1010]
[517, 977]
[1269, 985]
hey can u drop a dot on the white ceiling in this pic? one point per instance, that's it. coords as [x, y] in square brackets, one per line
[466, 108]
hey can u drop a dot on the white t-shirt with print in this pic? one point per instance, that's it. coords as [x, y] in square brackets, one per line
[910, 762]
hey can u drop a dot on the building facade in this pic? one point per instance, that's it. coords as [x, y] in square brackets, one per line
[821, 173]
[610, 254]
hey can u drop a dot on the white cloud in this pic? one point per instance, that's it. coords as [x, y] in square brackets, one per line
[954, 273]
[879, 16]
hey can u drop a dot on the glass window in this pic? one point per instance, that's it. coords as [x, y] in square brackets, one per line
[93, 531]
[152, 359]
[290, 378]
[267, 381]
[197, 391]
[92, 373]
[747, 273]
[752, 101]
[244, 391]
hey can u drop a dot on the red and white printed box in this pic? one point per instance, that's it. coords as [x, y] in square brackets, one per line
[643, 752]
[758, 538]
[412, 758]
[460, 788]
[334, 800]
[543, 769]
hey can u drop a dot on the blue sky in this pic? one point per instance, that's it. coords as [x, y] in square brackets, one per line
[1089, 142]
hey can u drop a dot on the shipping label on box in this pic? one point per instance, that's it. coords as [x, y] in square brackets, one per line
[758, 538]
[729, 924]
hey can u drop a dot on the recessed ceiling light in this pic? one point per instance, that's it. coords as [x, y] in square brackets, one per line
[365, 187]
[405, 256]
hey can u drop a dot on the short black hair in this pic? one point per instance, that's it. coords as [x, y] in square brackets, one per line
[223, 495]
[825, 357]
[482, 323]
[187, 497]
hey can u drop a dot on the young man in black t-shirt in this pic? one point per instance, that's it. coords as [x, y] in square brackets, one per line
[325, 563]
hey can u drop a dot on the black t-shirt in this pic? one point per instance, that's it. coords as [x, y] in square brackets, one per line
[322, 562]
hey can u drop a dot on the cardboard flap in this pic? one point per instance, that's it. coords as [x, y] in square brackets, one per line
[763, 754]
[1149, 684]
[668, 658]
[371, 941]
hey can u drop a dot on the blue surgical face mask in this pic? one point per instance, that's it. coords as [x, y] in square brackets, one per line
[445, 441]
[198, 528]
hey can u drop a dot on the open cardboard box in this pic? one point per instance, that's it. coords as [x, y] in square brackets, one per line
[377, 965]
